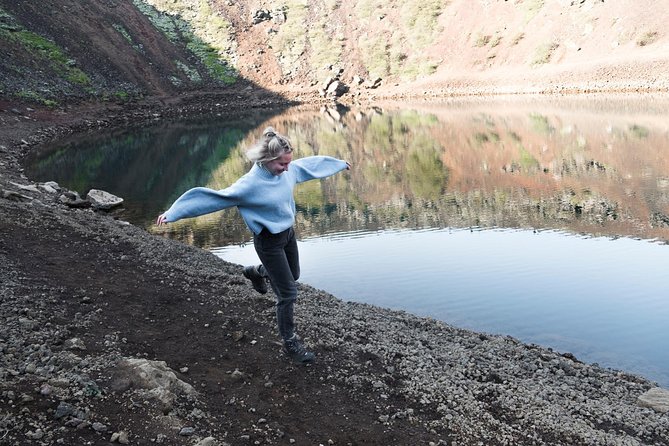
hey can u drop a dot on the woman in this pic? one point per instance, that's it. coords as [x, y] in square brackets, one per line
[264, 197]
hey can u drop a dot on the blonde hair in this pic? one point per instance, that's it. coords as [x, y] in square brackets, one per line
[270, 147]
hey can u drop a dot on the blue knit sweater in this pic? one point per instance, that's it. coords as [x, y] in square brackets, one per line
[264, 200]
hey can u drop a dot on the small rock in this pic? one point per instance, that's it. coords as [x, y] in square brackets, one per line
[237, 375]
[120, 437]
[38, 434]
[187, 431]
[75, 344]
[99, 427]
[64, 410]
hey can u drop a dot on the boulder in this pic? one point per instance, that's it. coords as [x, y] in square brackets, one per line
[336, 89]
[157, 378]
[100, 199]
[656, 398]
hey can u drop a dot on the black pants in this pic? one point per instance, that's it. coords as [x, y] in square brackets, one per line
[281, 264]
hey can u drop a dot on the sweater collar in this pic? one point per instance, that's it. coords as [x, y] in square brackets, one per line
[262, 171]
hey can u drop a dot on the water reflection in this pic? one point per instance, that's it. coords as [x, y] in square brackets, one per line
[520, 165]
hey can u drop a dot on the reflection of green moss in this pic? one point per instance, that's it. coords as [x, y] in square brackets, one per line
[411, 119]
[426, 173]
[331, 143]
[527, 161]
[480, 138]
[309, 195]
[540, 124]
[639, 131]
[378, 133]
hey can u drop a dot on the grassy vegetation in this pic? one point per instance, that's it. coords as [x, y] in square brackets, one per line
[122, 95]
[396, 48]
[543, 53]
[126, 35]
[48, 51]
[45, 53]
[377, 54]
[647, 38]
[325, 48]
[290, 42]
[33, 96]
[482, 40]
[532, 8]
[199, 28]
[192, 73]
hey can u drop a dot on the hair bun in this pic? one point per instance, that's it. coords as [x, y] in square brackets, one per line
[269, 132]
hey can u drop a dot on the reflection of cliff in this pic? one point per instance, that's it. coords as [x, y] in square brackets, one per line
[458, 166]
[595, 173]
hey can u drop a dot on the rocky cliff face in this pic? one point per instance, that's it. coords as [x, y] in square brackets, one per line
[57, 51]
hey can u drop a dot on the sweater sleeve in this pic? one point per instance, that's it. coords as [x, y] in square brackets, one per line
[198, 201]
[312, 167]
[201, 200]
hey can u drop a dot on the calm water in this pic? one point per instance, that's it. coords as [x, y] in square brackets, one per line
[546, 221]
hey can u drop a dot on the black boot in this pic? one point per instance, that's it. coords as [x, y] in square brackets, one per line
[259, 283]
[297, 351]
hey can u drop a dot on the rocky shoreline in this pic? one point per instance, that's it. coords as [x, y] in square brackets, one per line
[112, 334]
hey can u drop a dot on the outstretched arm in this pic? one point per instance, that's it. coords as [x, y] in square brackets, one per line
[201, 200]
[313, 167]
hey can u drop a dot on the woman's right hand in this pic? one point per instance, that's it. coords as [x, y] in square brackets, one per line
[161, 220]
